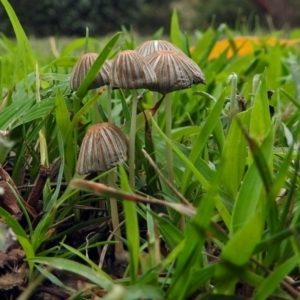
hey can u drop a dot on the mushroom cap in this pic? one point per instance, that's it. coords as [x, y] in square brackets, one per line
[103, 76]
[174, 70]
[155, 45]
[103, 147]
[82, 67]
[130, 70]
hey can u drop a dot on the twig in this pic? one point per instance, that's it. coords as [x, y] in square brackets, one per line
[38, 187]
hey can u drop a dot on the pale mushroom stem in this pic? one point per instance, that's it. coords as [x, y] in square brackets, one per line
[109, 116]
[155, 100]
[169, 165]
[120, 253]
[132, 140]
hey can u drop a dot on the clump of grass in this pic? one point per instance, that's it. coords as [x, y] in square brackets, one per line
[235, 163]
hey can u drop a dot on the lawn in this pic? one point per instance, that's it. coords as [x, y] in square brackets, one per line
[205, 207]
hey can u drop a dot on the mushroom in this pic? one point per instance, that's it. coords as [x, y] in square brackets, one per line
[145, 49]
[82, 67]
[130, 70]
[104, 146]
[155, 45]
[174, 71]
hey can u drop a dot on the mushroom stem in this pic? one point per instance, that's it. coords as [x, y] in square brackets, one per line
[132, 140]
[169, 165]
[120, 253]
[169, 156]
[109, 115]
[155, 100]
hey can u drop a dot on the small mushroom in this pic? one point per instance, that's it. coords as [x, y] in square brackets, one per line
[130, 70]
[174, 71]
[82, 67]
[104, 146]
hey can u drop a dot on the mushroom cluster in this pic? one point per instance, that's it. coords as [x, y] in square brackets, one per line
[155, 65]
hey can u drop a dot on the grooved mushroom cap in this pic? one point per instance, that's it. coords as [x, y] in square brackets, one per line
[174, 70]
[130, 70]
[103, 147]
[155, 45]
[82, 67]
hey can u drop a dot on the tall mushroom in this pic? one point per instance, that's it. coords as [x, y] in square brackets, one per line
[104, 146]
[130, 70]
[149, 47]
[174, 71]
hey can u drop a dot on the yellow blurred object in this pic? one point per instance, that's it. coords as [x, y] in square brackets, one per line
[246, 44]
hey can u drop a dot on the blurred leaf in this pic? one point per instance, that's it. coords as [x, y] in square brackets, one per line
[79, 269]
[5, 146]
[236, 254]
[77, 44]
[270, 284]
[21, 236]
[175, 30]
[25, 52]
[14, 113]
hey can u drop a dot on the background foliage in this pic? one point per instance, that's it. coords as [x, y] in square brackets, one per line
[65, 18]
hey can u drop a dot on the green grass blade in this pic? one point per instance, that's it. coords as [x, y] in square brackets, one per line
[236, 255]
[21, 236]
[132, 228]
[260, 122]
[96, 66]
[79, 269]
[26, 54]
[234, 156]
[63, 123]
[251, 189]
[270, 284]
[189, 164]
[175, 33]
[202, 137]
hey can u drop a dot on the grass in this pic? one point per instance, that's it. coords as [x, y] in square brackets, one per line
[236, 170]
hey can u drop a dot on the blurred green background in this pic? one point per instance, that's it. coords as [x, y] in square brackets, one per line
[70, 18]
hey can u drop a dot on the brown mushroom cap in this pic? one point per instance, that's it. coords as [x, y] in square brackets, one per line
[130, 70]
[103, 147]
[155, 45]
[82, 67]
[174, 70]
